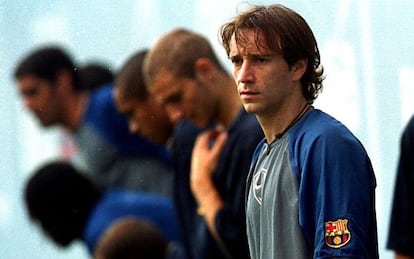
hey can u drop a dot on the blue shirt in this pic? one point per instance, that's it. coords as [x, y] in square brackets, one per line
[311, 194]
[117, 203]
[115, 157]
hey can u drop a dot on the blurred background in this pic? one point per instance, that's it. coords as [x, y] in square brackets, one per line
[366, 47]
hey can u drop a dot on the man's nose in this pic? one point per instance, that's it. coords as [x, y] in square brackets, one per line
[133, 126]
[174, 113]
[28, 103]
[245, 73]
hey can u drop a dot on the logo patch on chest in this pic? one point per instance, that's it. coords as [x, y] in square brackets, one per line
[258, 183]
[337, 233]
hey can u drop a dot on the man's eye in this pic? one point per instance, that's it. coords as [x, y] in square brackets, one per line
[31, 92]
[236, 60]
[128, 114]
[175, 98]
[260, 60]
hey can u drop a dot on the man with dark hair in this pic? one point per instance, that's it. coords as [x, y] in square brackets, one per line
[95, 74]
[50, 86]
[145, 115]
[69, 206]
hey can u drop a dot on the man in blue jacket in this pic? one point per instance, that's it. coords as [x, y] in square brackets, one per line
[48, 83]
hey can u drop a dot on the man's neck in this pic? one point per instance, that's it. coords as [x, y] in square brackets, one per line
[229, 103]
[276, 125]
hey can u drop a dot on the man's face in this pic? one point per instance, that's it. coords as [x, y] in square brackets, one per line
[145, 117]
[184, 98]
[264, 79]
[40, 98]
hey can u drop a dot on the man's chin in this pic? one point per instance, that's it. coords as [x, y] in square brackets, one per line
[46, 124]
[250, 108]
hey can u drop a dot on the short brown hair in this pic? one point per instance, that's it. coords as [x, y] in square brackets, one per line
[284, 31]
[177, 52]
[130, 78]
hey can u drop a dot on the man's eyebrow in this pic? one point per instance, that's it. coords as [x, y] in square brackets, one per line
[252, 55]
[262, 55]
[126, 111]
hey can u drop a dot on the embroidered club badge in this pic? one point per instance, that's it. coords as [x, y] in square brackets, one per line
[337, 233]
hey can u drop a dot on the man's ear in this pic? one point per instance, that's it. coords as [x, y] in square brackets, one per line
[298, 69]
[64, 80]
[204, 69]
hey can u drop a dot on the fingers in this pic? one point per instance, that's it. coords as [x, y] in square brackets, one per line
[206, 153]
[212, 140]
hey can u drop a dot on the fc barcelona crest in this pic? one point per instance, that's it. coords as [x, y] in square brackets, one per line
[337, 233]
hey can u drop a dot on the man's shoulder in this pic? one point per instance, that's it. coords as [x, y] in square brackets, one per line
[409, 128]
[319, 129]
[318, 124]
[120, 195]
